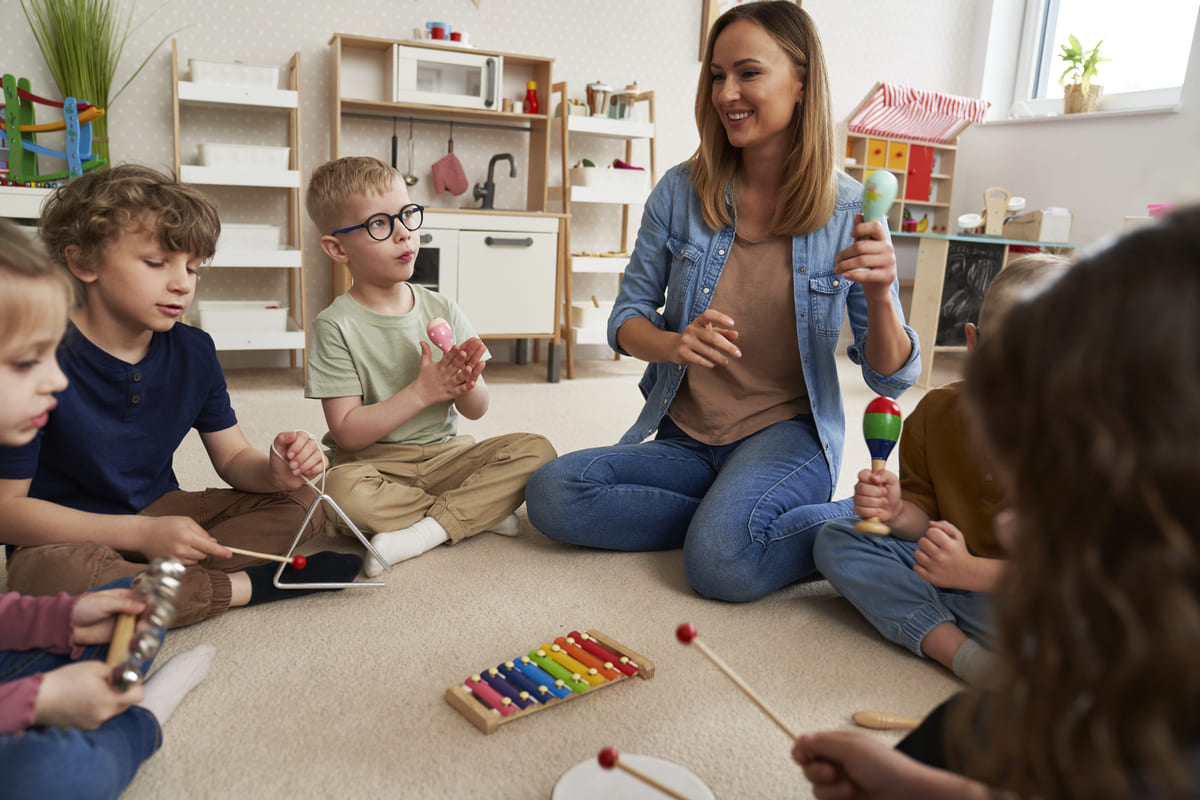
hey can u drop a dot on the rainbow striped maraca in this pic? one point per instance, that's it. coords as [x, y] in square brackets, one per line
[881, 429]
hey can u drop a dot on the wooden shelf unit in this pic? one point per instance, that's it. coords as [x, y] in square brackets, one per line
[898, 155]
[224, 98]
[629, 131]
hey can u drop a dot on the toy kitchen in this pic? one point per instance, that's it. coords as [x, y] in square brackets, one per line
[501, 265]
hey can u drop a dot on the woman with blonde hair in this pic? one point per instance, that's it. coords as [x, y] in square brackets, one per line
[749, 257]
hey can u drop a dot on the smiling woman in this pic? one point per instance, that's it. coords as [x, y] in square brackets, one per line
[750, 256]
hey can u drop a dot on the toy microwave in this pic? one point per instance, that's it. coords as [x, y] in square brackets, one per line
[447, 77]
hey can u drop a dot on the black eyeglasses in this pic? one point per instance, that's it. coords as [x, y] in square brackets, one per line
[381, 226]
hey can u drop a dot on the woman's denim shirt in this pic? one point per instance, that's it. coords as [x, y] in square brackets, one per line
[673, 273]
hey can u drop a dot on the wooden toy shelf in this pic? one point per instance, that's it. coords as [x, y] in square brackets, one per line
[907, 159]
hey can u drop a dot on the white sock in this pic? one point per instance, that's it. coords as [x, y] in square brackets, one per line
[974, 663]
[169, 684]
[396, 546]
[509, 526]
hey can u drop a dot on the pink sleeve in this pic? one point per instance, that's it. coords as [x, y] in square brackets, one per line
[17, 702]
[36, 623]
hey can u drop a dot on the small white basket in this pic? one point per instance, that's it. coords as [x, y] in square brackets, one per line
[610, 178]
[241, 236]
[235, 73]
[587, 315]
[241, 315]
[249, 156]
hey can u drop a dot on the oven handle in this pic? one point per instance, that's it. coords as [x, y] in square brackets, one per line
[490, 100]
[492, 241]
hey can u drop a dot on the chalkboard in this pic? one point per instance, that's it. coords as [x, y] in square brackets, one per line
[970, 267]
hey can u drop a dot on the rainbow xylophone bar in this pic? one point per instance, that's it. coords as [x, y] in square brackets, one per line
[553, 673]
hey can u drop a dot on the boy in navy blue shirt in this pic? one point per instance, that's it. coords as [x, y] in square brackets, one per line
[94, 496]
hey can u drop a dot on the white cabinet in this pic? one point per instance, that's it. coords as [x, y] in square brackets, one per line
[506, 281]
[501, 270]
[271, 166]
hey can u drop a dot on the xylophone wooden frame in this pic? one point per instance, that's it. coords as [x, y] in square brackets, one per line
[488, 719]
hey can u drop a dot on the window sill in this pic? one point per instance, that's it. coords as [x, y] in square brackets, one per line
[1124, 112]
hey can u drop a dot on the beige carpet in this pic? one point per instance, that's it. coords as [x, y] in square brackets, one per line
[341, 695]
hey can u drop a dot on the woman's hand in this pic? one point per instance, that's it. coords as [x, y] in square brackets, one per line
[870, 261]
[95, 613]
[707, 341]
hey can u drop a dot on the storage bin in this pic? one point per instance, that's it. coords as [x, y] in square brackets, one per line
[233, 72]
[604, 177]
[246, 156]
[586, 315]
[235, 236]
[1049, 225]
[241, 315]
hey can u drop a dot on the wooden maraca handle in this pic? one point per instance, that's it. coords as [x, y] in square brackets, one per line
[881, 721]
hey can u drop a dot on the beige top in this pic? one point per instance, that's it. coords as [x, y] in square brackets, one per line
[766, 385]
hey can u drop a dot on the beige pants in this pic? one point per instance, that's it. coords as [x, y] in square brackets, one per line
[466, 486]
[266, 523]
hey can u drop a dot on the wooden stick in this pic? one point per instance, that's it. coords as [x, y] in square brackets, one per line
[118, 648]
[881, 721]
[686, 633]
[609, 759]
[268, 556]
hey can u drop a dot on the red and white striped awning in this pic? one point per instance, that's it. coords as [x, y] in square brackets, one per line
[893, 110]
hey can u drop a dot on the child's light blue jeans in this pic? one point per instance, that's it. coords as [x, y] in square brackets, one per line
[50, 763]
[875, 573]
[745, 513]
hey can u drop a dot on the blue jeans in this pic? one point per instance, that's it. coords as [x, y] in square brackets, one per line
[745, 513]
[52, 763]
[875, 573]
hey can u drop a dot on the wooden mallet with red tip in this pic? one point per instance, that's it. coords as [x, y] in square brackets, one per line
[609, 758]
[686, 633]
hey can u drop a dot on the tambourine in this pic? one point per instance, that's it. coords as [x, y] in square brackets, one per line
[133, 646]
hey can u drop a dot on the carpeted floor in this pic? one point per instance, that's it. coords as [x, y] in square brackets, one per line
[342, 694]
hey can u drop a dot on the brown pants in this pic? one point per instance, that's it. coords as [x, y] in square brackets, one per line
[263, 522]
[464, 485]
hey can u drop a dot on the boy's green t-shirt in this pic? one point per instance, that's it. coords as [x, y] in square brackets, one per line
[354, 351]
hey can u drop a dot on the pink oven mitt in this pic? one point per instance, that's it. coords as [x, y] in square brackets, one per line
[448, 174]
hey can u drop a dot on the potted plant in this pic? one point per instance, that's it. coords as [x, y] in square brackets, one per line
[1080, 94]
[82, 41]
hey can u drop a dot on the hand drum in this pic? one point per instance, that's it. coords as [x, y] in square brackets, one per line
[878, 193]
[440, 333]
[881, 429]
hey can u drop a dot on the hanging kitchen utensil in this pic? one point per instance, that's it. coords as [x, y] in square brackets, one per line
[448, 172]
[409, 178]
[394, 143]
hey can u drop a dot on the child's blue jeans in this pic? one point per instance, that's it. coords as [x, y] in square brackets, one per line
[875, 573]
[50, 763]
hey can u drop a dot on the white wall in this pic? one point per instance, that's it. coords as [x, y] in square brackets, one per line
[1102, 169]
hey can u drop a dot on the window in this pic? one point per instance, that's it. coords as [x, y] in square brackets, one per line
[1149, 44]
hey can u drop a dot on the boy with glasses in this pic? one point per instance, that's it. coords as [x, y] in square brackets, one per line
[400, 469]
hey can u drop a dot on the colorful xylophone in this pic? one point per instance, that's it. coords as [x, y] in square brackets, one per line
[547, 675]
